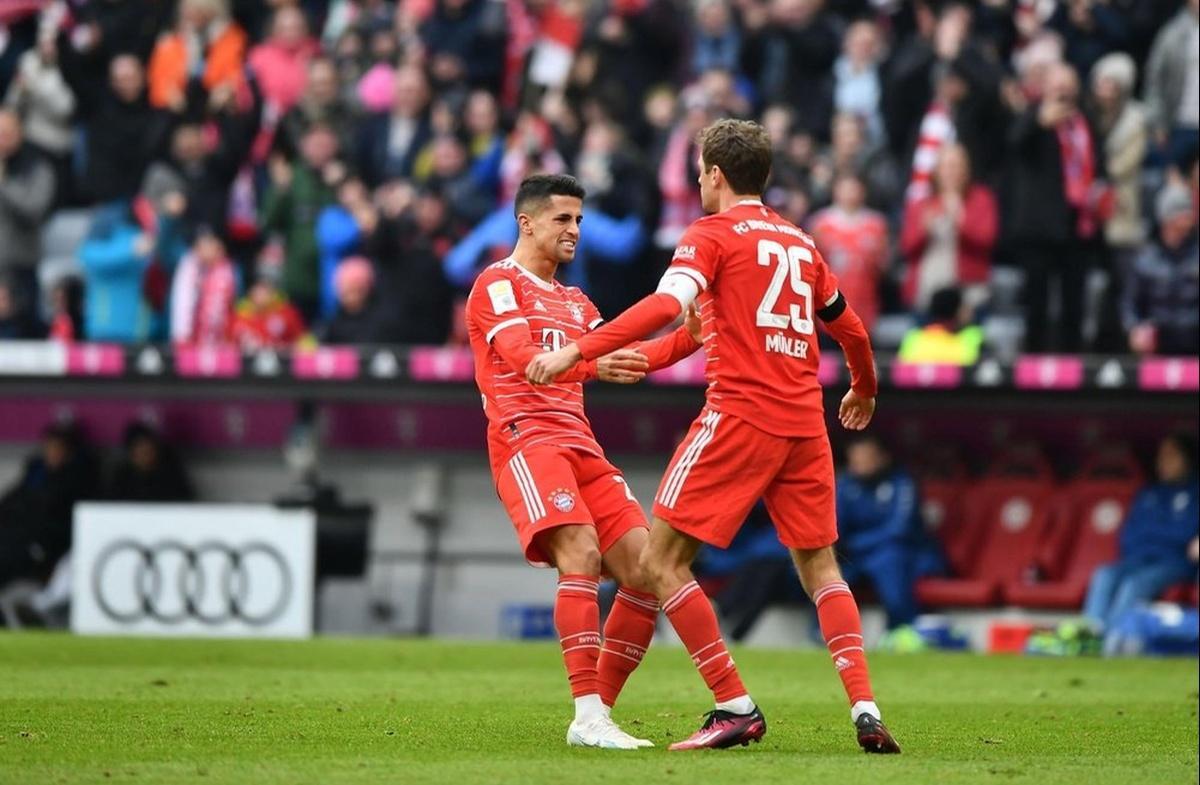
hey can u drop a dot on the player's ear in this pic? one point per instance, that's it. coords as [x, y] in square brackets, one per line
[716, 176]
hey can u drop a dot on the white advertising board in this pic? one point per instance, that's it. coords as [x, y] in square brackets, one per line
[192, 570]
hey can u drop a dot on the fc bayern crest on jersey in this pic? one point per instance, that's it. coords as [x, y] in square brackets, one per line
[576, 312]
[562, 499]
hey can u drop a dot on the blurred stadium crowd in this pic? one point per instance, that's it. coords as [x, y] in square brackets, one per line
[267, 172]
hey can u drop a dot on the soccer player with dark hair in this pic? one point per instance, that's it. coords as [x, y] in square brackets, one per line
[571, 508]
[760, 284]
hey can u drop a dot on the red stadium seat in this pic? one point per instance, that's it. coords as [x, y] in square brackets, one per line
[1089, 513]
[1022, 458]
[1011, 514]
[1090, 517]
[1183, 593]
[942, 512]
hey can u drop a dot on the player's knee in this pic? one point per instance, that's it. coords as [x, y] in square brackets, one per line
[650, 570]
[581, 559]
[631, 576]
[660, 573]
[575, 550]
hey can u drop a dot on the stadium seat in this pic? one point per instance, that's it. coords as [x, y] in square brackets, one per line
[890, 329]
[941, 510]
[1183, 593]
[61, 237]
[1011, 514]
[1089, 516]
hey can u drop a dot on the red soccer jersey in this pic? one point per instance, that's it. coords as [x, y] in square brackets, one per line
[855, 247]
[508, 297]
[762, 282]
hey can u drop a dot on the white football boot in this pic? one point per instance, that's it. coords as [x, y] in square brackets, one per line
[602, 732]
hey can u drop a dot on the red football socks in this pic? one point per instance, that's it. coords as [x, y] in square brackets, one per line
[842, 630]
[577, 619]
[627, 635]
[692, 616]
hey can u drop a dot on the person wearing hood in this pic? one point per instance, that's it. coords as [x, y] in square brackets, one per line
[1161, 299]
[114, 256]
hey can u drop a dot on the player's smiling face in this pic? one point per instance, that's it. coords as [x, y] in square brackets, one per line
[556, 228]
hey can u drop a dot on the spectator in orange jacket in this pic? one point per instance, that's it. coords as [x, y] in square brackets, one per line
[207, 41]
[948, 236]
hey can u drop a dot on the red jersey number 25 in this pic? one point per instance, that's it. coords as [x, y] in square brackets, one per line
[787, 261]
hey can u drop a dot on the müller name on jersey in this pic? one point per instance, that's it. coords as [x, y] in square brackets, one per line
[783, 344]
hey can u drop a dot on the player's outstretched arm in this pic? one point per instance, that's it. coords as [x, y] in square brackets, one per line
[858, 405]
[652, 313]
[671, 348]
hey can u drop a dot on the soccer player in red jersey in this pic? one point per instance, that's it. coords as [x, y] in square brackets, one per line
[571, 508]
[760, 284]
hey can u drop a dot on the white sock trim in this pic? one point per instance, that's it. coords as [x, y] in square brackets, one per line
[739, 705]
[864, 707]
[588, 706]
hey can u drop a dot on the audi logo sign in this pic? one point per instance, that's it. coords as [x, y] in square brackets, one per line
[210, 582]
[192, 570]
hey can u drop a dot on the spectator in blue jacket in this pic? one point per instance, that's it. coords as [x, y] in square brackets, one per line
[1158, 541]
[115, 255]
[880, 534]
[339, 235]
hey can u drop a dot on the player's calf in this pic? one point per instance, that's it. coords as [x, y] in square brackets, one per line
[841, 627]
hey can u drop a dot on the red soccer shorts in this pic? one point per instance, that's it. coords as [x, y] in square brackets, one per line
[725, 465]
[548, 486]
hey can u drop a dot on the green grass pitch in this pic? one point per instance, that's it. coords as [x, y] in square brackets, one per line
[75, 710]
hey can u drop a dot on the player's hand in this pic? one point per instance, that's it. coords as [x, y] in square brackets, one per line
[856, 411]
[548, 366]
[624, 366]
[691, 321]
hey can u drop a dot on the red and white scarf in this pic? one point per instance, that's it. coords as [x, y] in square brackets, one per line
[202, 301]
[936, 131]
[1079, 173]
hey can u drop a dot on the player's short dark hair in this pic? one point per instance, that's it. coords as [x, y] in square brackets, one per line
[743, 151]
[535, 191]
